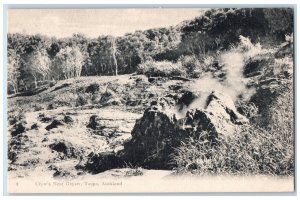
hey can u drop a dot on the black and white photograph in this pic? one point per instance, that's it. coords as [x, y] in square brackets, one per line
[130, 100]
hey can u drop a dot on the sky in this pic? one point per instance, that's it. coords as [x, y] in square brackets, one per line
[94, 22]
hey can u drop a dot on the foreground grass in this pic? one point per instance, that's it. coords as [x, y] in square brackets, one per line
[252, 150]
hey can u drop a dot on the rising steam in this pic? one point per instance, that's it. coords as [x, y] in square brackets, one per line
[234, 85]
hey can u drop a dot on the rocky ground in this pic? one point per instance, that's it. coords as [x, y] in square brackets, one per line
[68, 141]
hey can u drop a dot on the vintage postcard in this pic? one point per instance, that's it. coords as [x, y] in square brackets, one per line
[150, 100]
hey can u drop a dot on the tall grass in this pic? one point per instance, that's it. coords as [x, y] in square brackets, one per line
[250, 150]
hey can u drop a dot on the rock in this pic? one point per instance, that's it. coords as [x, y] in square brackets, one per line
[53, 167]
[34, 126]
[156, 79]
[55, 123]
[218, 103]
[66, 148]
[187, 98]
[68, 119]
[93, 122]
[44, 118]
[158, 132]
[46, 139]
[101, 162]
[219, 118]
[51, 106]
[18, 128]
[152, 138]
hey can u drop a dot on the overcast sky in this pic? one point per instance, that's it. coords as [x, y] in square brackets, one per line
[93, 22]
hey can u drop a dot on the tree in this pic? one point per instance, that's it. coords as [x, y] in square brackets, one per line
[113, 52]
[39, 65]
[68, 62]
[13, 69]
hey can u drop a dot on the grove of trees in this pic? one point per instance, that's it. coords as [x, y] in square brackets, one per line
[35, 59]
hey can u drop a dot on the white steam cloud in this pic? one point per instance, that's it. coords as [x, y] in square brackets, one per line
[234, 84]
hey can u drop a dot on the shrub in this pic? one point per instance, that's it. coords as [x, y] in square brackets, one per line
[251, 151]
[192, 66]
[249, 49]
[93, 88]
[65, 99]
[162, 68]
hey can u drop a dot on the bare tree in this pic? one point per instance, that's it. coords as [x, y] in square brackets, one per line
[113, 52]
[39, 65]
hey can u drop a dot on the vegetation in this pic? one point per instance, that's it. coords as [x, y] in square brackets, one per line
[162, 69]
[251, 151]
[34, 58]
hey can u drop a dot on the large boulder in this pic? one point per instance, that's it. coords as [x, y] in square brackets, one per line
[158, 132]
[152, 138]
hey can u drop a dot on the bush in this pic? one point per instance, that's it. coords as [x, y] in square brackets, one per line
[162, 68]
[65, 99]
[251, 151]
[191, 65]
[249, 49]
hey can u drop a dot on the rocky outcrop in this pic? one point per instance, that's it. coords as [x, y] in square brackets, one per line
[158, 132]
[152, 138]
